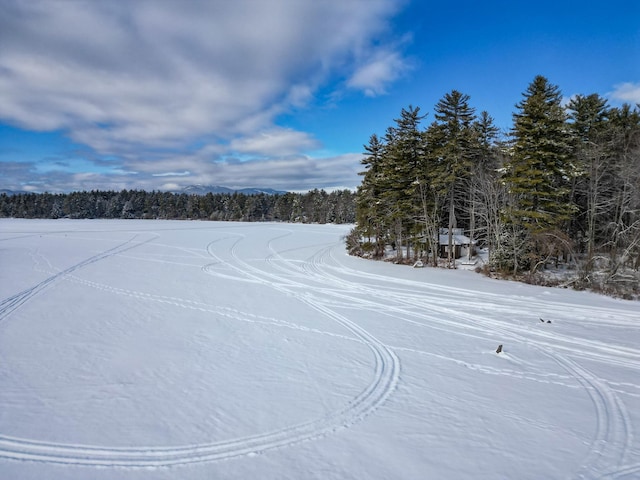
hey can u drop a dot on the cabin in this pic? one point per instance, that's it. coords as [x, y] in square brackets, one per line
[461, 243]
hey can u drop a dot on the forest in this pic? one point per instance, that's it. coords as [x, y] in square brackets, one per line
[559, 191]
[315, 206]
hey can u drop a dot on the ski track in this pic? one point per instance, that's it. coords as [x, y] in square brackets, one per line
[613, 435]
[420, 304]
[385, 377]
[10, 304]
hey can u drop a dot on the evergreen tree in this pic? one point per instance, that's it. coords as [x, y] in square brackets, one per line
[405, 154]
[369, 209]
[486, 135]
[452, 141]
[386, 207]
[538, 173]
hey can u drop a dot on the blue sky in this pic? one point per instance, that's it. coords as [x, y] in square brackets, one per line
[160, 94]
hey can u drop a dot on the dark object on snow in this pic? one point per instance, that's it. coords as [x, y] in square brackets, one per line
[542, 320]
[548, 321]
[499, 349]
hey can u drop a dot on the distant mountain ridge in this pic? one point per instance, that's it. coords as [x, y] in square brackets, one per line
[204, 189]
[11, 192]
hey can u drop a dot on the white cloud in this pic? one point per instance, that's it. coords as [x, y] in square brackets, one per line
[293, 173]
[373, 76]
[170, 91]
[274, 142]
[142, 72]
[176, 86]
[299, 173]
[626, 92]
[171, 174]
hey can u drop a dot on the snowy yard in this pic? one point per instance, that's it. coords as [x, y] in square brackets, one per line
[203, 350]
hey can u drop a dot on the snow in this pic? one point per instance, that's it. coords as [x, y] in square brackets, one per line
[198, 350]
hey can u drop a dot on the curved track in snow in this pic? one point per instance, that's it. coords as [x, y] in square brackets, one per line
[405, 301]
[315, 276]
[385, 374]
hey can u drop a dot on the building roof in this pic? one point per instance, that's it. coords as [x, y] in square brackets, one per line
[457, 239]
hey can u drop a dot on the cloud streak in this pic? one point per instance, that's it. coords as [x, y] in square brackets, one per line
[293, 173]
[627, 92]
[147, 80]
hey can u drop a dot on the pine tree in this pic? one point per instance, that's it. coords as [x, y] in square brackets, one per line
[539, 173]
[370, 216]
[400, 163]
[486, 134]
[386, 209]
[452, 140]
[406, 154]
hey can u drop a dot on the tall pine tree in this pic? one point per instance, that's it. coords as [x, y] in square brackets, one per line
[539, 175]
[538, 171]
[370, 213]
[403, 161]
[453, 140]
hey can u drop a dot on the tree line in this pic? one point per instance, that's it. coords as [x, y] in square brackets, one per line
[562, 186]
[316, 206]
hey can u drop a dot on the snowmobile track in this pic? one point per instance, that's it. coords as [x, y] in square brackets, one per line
[385, 377]
[14, 302]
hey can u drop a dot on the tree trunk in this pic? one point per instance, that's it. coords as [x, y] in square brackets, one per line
[451, 256]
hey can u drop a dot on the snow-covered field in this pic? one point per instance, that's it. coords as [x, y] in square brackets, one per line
[201, 350]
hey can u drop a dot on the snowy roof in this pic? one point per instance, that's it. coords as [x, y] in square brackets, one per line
[457, 239]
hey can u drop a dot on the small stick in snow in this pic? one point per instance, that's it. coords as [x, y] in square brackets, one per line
[499, 348]
[542, 320]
